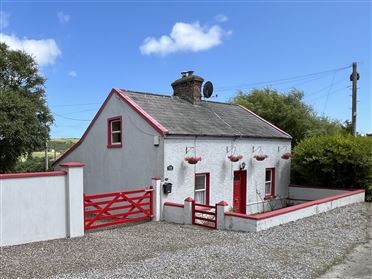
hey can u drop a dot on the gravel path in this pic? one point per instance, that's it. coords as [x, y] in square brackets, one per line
[302, 249]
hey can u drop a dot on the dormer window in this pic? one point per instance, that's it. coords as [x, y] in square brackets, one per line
[115, 132]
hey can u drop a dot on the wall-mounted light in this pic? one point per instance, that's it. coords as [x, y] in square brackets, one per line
[242, 166]
[170, 168]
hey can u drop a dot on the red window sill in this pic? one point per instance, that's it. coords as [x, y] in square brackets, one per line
[271, 197]
[114, 145]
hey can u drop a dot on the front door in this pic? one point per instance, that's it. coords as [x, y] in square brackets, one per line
[239, 192]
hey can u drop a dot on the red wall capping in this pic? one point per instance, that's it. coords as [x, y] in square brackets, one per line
[72, 165]
[281, 211]
[321, 187]
[223, 203]
[173, 204]
[156, 178]
[189, 199]
[31, 174]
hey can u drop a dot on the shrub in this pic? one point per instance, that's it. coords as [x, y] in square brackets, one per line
[339, 161]
[31, 164]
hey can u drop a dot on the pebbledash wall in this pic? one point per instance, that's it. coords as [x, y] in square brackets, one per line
[215, 162]
[41, 206]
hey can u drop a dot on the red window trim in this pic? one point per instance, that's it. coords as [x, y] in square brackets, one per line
[272, 194]
[207, 185]
[109, 120]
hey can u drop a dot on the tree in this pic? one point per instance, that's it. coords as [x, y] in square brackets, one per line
[25, 118]
[288, 112]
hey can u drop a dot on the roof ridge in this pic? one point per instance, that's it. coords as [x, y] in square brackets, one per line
[145, 93]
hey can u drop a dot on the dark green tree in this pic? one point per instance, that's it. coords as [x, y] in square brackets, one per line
[25, 118]
[288, 112]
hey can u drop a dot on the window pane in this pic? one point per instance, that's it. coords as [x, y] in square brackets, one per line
[116, 137]
[268, 175]
[200, 182]
[268, 188]
[115, 125]
[200, 197]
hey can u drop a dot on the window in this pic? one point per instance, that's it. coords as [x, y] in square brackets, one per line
[202, 188]
[270, 183]
[114, 138]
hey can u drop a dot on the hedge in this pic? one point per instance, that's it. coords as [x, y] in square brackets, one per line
[338, 161]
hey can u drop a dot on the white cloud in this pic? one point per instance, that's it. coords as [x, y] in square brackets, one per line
[63, 18]
[45, 51]
[4, 19]
[184, 37]
[72, 74]
[221, 18]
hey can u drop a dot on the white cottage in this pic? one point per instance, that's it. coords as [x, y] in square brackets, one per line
[137, 136]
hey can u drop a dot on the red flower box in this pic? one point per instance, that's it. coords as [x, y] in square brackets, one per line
[287, 155]
[193, 160]
[260, 157]
[235, 158]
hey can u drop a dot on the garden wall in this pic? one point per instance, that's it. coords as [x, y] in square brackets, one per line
[41, 206]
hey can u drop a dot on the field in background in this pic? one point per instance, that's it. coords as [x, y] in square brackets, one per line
[56, 147]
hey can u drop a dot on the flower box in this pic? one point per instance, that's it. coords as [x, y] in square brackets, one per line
[260, 157]
[235, 158]
[287, 155]
[193, 160]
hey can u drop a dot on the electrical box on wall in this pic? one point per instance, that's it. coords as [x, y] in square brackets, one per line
[156, 140]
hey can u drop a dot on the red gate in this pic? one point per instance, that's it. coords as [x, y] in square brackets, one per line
[103, 210]
[204, 215]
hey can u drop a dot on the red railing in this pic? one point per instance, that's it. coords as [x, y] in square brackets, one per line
[103, 210]
[204, 215]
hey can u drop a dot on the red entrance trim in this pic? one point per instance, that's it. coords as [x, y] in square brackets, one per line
[156, 125]
[31, 174]
[174, 204]
[294, 207]
[72, 165]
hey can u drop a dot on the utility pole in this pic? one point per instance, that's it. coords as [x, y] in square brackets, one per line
[46, 156]
[354, 78]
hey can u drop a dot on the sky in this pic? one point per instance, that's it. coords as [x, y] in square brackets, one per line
[85, 48]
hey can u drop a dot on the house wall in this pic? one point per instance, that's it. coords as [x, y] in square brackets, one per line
[116, 169]
[215, 162]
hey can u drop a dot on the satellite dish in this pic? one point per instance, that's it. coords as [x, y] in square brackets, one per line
[207, 89]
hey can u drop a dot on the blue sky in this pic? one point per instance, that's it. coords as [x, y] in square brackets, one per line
[86, 48]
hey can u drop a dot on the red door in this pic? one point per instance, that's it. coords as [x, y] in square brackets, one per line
[239, 193]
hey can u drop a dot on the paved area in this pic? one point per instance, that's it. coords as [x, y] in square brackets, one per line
[301, 249]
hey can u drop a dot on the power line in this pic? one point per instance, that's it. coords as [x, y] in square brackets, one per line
[79, 111]
[75, 119]
[283, 80]
[75, 105]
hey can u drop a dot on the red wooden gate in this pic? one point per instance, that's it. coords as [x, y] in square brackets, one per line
[103, 210]
[204, 215]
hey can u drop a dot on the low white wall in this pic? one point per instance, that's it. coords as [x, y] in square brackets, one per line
[41, 206]
[173, 213]
[312, 193]
[241, 222]
[266, 223]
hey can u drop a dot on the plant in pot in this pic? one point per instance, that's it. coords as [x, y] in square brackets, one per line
[287, 155]
[235, 158]
[260, 157]
[192, 160]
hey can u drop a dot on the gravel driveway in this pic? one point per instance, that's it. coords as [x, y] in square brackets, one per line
[302, 249]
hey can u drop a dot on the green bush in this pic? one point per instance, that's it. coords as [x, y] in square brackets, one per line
[31, 164]
[339, 161]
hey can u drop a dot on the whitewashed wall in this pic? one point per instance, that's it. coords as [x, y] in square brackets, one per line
[215, 162]
[41, 206]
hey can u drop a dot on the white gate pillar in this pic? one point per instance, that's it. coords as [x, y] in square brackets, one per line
[74, 198]
[220, 209]
[187, 211]
[156, 203]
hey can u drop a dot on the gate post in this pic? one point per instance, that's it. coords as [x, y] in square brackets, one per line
[220, 215]
[187, 211]
[74, 198]
[156, 200]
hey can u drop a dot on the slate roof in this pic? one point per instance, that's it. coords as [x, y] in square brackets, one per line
[205, 118]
